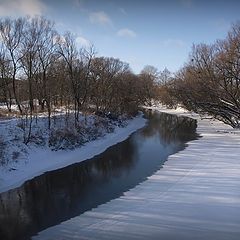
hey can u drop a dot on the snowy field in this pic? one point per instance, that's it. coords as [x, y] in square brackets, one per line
[196, 195]
[36, 159]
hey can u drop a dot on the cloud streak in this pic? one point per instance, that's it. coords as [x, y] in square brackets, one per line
[21, 7]
[100, 18]
[126, 32]
[83, 42]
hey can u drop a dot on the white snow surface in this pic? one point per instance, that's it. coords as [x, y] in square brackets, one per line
[42, 159]
[196, 195]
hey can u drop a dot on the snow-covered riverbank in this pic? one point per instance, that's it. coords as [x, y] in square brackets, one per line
[196, 195]
[42, 159]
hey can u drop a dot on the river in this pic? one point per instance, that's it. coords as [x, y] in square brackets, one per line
[59, 195]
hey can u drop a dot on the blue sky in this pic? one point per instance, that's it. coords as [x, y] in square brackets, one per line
[143, 32]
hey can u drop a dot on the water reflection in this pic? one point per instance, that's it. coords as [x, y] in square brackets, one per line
[62, 194]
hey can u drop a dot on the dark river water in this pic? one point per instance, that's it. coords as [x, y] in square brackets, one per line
[59, 195]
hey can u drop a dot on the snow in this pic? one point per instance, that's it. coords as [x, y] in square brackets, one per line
[196, 195]
[42, 159]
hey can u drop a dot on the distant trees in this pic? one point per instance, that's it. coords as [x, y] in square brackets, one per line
[40, 70]
[149, 77]
[210, 81]
[163, 93]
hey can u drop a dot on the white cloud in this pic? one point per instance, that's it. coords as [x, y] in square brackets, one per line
[125, 32]
[173, 43]
[83, 42]
[21, 7]
[100, 18]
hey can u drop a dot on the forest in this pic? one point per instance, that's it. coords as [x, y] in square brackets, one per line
[209, 83]
[42, 70]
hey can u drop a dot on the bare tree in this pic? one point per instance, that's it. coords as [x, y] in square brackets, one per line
[84, 74]
[105, 76]
[30, 66]
[5, 81]
[209, 83]
[11, 34]
[47, 54]
[68, 51]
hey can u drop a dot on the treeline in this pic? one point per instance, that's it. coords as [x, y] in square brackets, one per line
[40, 69]
[210, 81]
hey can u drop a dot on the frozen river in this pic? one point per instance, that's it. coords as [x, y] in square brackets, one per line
[60, 195]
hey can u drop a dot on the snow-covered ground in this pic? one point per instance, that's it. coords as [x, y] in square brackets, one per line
[196, 195]
[39, 159]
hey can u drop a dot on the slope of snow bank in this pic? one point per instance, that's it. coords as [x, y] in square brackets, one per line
[196, 195]
[43, 159]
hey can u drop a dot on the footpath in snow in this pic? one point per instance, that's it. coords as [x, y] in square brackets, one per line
[196, 195]
[41, 160]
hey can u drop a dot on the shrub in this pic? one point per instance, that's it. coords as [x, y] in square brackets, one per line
[65, 139]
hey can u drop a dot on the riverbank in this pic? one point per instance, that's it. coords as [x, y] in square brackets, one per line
[196, 195]
[37, 160]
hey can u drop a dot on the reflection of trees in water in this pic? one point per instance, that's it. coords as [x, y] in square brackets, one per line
[121, 157]
[171, 128]
[56, 196]
[13, 218]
